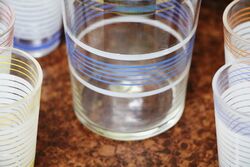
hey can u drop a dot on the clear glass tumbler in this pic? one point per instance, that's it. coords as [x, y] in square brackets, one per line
[231, 87]
[19, 107]
[7, 20]
[236, 19]
[129, 63]
[38, 25]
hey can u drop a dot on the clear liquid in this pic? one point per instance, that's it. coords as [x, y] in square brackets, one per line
[129, 118]
[128, 115]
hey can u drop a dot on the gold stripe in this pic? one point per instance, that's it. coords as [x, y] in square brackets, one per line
[12, 64]
[163, 1]
[234, 47]
[238, 20]
[165, 9]
[236, 13]
[13, 69]
[238, 52]
[235, 18]
[17, 60]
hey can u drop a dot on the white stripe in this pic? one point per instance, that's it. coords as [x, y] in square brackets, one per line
[126, 94]
[131, 57]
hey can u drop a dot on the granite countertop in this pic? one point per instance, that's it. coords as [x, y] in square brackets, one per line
[64, 141]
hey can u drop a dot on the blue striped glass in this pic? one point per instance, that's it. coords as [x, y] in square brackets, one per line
[231, 87]
[129, 63]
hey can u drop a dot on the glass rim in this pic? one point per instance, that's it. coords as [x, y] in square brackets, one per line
[38, 84]
[225, 21]
[13, 19]
[216, 89]
[132, 57]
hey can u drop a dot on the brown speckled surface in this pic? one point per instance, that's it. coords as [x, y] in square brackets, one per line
[63, 141]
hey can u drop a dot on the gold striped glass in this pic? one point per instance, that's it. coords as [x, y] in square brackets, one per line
[20, 87]
[236, 21]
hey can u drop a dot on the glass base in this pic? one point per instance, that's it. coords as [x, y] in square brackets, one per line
[38, 48]
[166, 124]
[44, 52]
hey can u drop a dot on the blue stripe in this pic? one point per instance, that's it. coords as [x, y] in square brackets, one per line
[170, 19]
[136, 9]
[222, 79]
[239, 79]
[125, 72]
[31, 47]
[156, 71]
[133, 67]
[177, 10]
[80, 22]
[163, 79]
[138, 68]
[114, 74]
[175, 14]
[236, 124]
[176, 3]
[180, 63]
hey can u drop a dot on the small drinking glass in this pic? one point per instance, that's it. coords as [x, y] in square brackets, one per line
[38, 25]
[19, 107]
[231, 88]
[7, 20]
[236, 19]
[129, 63]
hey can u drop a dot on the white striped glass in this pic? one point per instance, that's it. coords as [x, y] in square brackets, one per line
[19, 107]
[231, 87]
[38, 25]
